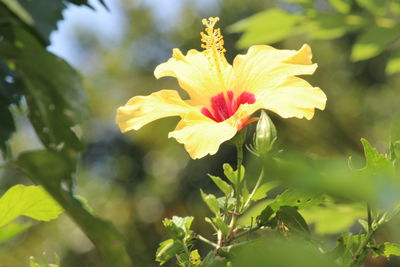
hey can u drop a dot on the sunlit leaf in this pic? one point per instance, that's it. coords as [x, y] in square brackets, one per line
[167, 250]
[291, 220]
[178, 227]
[195, 258]
[267, 27]
[388, 249]
[373, 41]
[333, 218]
[326, 26]
[222, 185]
[262, 191]
[343, 6]
[231, 174]
[211, 202]
[377, 7]
[393, 64]
[30, 201]
[297, 198]
[12, 230]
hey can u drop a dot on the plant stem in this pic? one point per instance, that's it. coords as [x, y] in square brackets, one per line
[238, 188]
[362, 249]
[205, 240]
[254, 189]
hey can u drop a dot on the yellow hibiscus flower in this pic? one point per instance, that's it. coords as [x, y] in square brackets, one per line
[224, 96]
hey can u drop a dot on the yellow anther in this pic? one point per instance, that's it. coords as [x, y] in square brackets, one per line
[213, 44]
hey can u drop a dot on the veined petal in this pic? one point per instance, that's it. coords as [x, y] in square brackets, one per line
[264, 67]
[141, 110]
[201, 135]
[293, 98]
[196, 75]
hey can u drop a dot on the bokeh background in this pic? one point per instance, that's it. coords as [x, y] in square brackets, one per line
[138, 178]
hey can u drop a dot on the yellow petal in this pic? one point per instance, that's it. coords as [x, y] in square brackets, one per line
[201, 135]
[141, 110]
[263, 67]
[196, 75]
[293, 98]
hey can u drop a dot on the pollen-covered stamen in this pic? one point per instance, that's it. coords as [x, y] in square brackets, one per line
[213, 43]
[223, 108]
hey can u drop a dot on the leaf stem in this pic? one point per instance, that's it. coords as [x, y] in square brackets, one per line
[205, 240]
[254, 189]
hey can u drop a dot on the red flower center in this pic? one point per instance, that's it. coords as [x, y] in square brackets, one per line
[223, 108]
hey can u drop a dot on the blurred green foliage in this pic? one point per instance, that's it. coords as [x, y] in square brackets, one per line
[136, 179]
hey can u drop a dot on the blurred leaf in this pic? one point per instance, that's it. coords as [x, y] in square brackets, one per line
[214, 260]
[50, 168]
[30, 201]
[211, 202]
[343, 6]
[387, 249]
[269, 26]
[15, 7]
[226, 203]
[231, 174]
[279, 252]
[326, 26]
[346, 245]
[262, 191]
[10, 94]
[292, 220]
[373, 41]
[333, 218]
[54, 92]
[11, 230]
[44, 22]
[264, 218]
[297, 198]
[376, 7]
[178, 227]
[33, 263]
[222, 185]
[167, 250]
[393, 64]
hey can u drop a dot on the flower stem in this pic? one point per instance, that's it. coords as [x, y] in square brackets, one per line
[238, 188]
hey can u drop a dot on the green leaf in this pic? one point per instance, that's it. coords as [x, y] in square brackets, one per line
[226, 203]
[333, 218]
[262, 191]
[388, 249]
[167, 250]
[297, 198]
[54, 92]
[195, 258]
[222, 185]
[11, 230]
[221, 225]
[50, 168]
[373, 41]
[375, 161]
[211, 202]
[178, 227]
[326, 26]
[292, 219]
[30, 201]
[231, 174]
[376, 7]
[10, 94]
[15, 7]
[264, 219]
[269, 26]
[343, 6]
[393, 64]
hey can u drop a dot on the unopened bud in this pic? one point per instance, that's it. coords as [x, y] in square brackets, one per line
[265, 135]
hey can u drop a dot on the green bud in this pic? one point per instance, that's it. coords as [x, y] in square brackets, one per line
[264, 136]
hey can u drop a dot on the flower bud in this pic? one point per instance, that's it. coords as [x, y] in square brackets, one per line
[265, 135]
